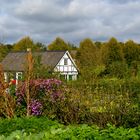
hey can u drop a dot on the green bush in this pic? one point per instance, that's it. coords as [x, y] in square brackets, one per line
[55, 131]
[108, 100]
[28, 125]
[118, 69]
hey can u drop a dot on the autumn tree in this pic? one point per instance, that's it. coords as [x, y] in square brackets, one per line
[87, 53]
[112, 51]
[113, 58]
[132, 56]
[24, 43]
[87, 58]
[131, 52]
[58, 44]
[40, 46]
[3, 51]
[72, 46]
[98, 44]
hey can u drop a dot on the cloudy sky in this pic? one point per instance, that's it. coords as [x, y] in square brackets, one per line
[72, 20]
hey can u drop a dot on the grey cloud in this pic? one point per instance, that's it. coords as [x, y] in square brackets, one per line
[121, 1]
[72, 20]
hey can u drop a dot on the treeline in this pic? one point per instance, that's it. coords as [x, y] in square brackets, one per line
[21, 45]
[27, 42]
[110, 58]
[94, 59]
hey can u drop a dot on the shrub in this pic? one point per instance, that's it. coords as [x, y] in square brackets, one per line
[109, 100]
[106, 101]
[41, 91]
[27, 124]
[44, 129]
[7, 102]
[118, 69]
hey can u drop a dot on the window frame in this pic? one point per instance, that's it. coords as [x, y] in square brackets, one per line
[65, 61]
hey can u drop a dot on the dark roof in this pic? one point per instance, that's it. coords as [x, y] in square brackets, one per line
[16, 61]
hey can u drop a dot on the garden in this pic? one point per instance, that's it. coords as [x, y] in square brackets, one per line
[105, 109]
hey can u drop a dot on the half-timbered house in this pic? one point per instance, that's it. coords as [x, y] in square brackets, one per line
[60, 61]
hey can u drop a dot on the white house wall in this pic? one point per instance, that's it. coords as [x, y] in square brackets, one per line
[66, 69]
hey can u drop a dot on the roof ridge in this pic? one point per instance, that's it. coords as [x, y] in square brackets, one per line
[18, 52]
[38, 51]
[56, 50]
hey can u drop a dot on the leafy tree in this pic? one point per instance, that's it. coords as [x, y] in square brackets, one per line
[9, 47]
[40, 46]
[132, 56]
[98, 44]
[131, 52]
[113, 58]
[111, 52]
[87, 58]
[87, 53]
[58, 44]
[24, 43]
[40, 71]
[3, 51]
[118, 69]
[72, 46]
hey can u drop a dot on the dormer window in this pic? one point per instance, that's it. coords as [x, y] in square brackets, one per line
[65, 61]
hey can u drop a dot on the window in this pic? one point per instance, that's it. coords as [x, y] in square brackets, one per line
[19, 75]
[70, 77]
[65, 61]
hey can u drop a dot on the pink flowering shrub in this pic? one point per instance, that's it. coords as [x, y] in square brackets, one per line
[36, 107]
[41, 91]
[51, 98]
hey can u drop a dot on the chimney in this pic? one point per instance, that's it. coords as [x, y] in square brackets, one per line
[28, 49]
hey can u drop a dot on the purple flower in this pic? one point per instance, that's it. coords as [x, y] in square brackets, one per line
[35, 107]
[40, 89]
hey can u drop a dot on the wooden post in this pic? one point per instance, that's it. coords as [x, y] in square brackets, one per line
[29, 75]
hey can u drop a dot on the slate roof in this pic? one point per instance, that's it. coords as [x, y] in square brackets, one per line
[16, 61]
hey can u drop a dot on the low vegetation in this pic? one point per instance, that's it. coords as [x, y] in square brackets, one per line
[45, 129]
